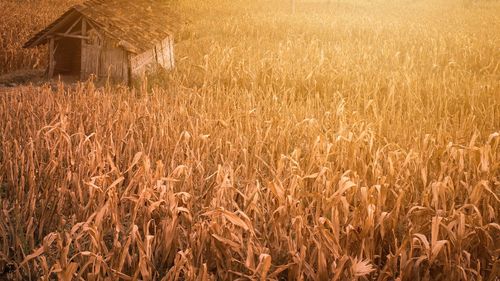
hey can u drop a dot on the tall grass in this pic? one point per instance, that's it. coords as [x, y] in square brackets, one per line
[350, 141]
[19, 20]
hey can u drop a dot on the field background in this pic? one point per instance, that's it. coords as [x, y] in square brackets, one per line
[350, 140]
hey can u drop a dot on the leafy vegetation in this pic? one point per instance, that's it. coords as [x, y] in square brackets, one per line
[352, 140]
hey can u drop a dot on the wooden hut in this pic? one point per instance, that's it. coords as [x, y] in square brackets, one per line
[116, 39]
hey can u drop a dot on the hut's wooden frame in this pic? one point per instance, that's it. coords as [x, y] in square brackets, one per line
[78, 46]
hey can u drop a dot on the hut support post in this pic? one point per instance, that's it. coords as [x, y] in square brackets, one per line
[83, 58]
[52, 62]
[84, 27]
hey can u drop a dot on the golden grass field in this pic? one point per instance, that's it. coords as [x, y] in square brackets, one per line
[356, 140]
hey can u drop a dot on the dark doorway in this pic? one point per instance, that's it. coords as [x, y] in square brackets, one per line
[67, 56]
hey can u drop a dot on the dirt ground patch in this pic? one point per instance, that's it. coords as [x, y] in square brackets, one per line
[32, 77]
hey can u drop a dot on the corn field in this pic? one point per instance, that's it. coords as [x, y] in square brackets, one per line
[351, 140]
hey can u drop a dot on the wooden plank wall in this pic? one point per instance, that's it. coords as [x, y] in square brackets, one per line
[165, 53]
[90, 60]
[113, 63]
[161, 55]
[91, 52]
[140, 63]
[110, 61]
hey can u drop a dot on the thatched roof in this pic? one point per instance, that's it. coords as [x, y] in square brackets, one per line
[139, 24]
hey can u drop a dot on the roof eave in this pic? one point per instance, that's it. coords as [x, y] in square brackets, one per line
[40, 38]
